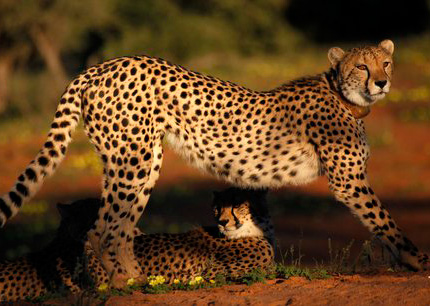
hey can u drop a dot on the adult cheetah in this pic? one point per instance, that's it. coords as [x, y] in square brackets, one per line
[289, 135]
[240, 244]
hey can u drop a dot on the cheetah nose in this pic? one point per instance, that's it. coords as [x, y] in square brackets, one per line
[381, 84]
[223, 222]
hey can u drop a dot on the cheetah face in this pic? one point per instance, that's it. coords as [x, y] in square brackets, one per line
[239, 213]
[363, 74]
[231, 218]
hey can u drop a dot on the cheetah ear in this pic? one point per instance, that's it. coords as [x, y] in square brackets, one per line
[335, 55]
[387, 45]
[64, 210]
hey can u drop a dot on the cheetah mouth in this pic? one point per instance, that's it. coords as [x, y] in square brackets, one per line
[378, 96]
[372, 98]
[231, 229]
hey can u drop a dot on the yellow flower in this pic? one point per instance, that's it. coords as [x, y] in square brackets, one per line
[212, 281]
[103, 287]
[176, 281]
[130, 282]
[197, 280]
[156, 280]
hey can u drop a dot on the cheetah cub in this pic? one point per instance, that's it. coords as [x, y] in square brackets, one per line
[241, 242]
[58, 266]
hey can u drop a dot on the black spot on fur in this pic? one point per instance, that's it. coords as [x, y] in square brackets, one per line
[43, 161]
[5, 209]
[31, 175]
[16, 199]
[59, 137]
[22, 189]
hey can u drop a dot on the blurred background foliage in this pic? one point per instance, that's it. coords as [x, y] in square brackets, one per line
[257, 43]
[45, 42]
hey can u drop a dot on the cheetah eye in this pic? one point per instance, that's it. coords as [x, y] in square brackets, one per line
[386, 64]
[362, 67]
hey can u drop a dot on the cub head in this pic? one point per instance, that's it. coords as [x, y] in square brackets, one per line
[242, 213]
[363, 74]
[77, 218]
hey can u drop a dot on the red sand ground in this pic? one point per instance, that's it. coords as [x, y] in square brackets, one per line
[397, 289]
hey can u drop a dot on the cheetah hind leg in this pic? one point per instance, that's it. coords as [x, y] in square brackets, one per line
[123, 202]
[107, 234]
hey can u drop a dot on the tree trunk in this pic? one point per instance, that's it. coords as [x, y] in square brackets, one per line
[50, 54]
[6, 62]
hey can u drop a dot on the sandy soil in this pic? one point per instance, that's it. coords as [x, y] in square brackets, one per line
[381, 289]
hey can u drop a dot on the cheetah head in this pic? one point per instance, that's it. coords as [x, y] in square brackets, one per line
[242, 213]
[363, 74]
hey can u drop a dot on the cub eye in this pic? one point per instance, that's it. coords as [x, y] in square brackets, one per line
[386, 64]
[362, 67]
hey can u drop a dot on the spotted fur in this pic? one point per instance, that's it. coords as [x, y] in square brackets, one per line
[289, 135]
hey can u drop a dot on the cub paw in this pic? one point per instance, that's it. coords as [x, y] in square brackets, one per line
[424, 261]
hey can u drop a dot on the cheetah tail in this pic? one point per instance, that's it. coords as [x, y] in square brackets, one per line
[49, 157]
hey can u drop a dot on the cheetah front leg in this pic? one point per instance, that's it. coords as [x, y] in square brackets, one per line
[348, 181]
[124, 199]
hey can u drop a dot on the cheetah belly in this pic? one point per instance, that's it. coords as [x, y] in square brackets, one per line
[184, 148]
[299, 167]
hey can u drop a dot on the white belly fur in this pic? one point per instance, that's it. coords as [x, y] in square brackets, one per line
[307, 171]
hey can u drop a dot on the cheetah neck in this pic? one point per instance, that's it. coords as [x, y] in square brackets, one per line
[357, 111]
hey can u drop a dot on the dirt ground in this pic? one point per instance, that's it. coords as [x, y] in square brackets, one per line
[397, 289]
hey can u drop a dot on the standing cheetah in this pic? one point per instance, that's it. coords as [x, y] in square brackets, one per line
[289, 135]
[239, 245]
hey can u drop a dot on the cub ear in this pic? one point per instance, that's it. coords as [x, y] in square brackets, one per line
[387, 45]
[335, 55]
[261, 193]
[63, 209]
[216, 194]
